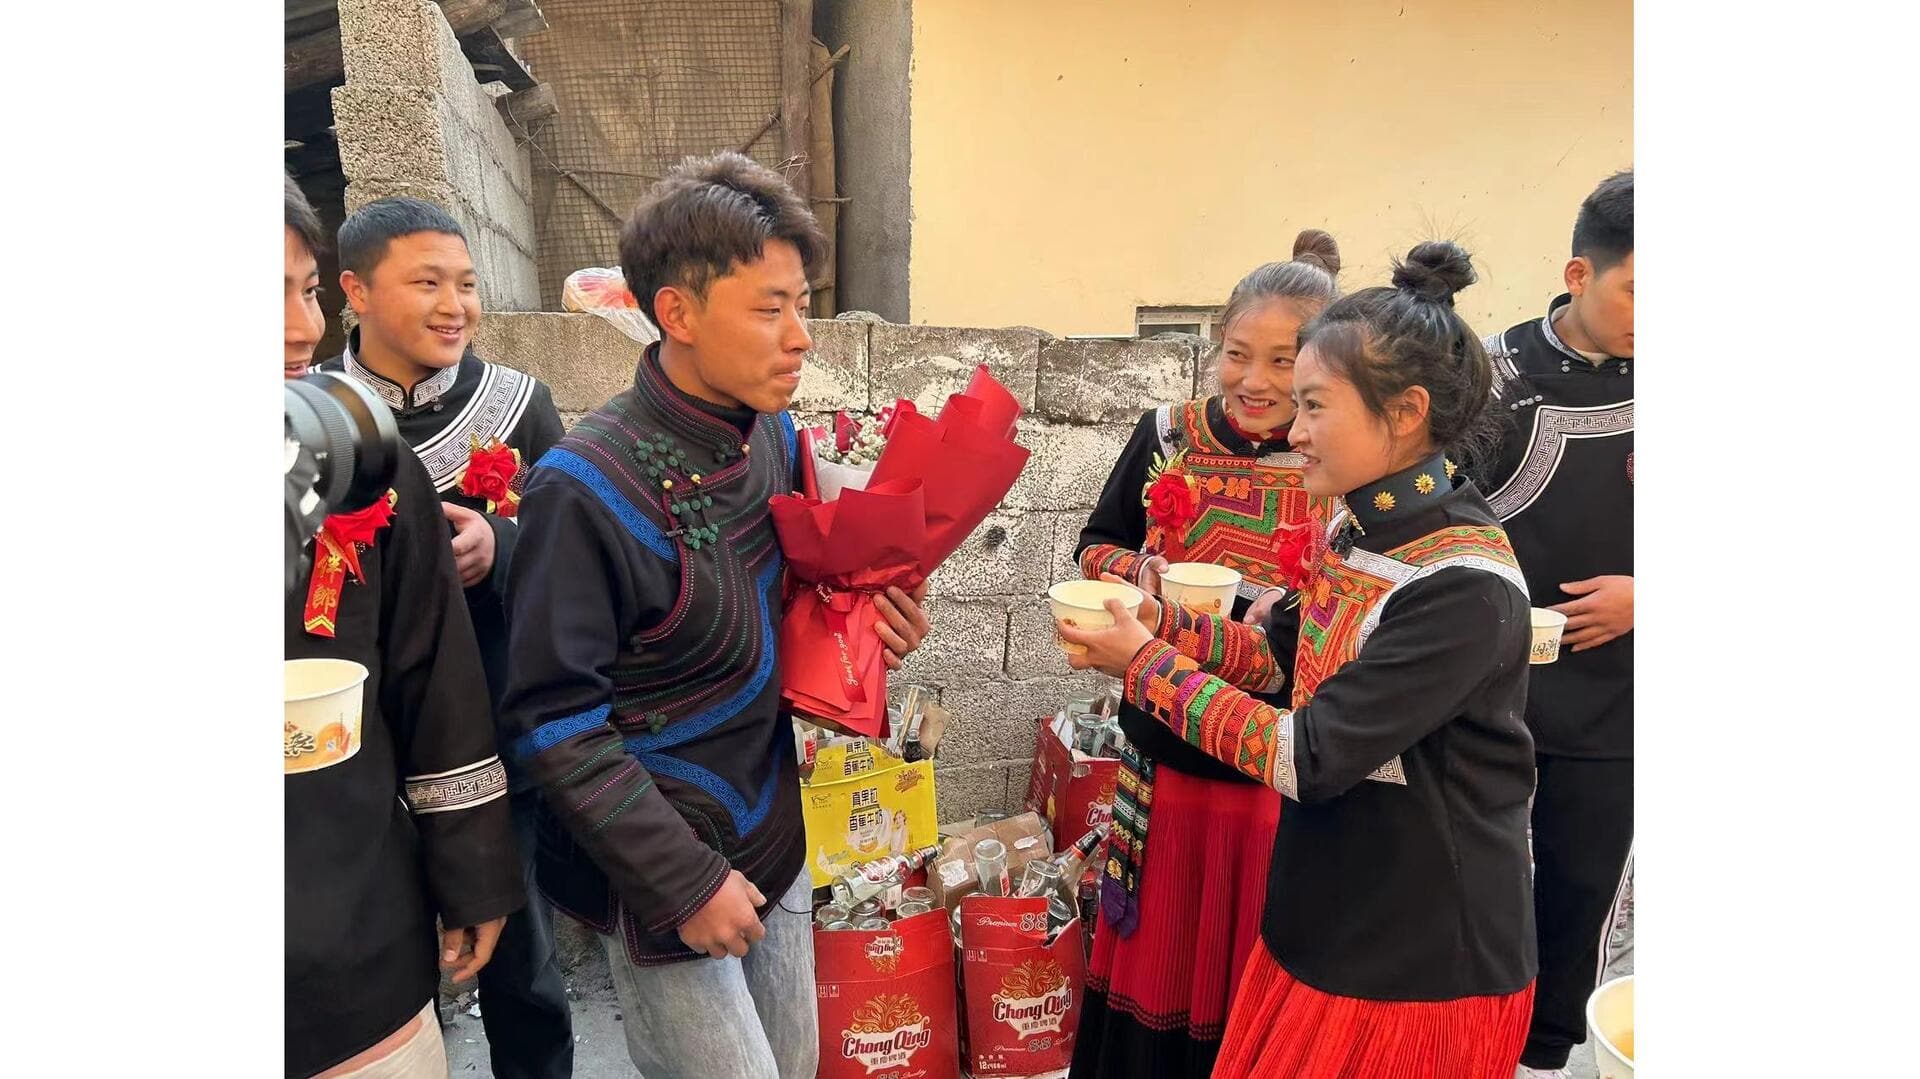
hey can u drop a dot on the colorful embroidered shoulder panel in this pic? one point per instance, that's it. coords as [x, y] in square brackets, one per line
[1345, 606]
[1242, 501]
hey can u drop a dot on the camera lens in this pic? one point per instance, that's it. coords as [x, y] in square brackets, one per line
[351, 434]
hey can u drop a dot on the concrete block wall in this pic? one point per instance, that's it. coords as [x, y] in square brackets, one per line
[992, 656]
[412, 120]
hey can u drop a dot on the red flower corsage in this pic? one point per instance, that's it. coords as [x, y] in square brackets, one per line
[1298, 550]
[1172, 502]
[491, 468]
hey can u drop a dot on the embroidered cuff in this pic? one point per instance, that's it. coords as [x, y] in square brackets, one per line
[462, 788]
[1144, 662]
[1108, 558]
[1226, 724]
[1230, 650]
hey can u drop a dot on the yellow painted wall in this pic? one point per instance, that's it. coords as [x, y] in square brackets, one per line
[1075, 159]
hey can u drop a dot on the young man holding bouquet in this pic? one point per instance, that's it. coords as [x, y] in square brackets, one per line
[477, 427]
[644, 691]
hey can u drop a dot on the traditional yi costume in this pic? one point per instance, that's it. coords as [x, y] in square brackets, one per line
[1563, 489]
[478, 427]
[1172, 941]
[645, 689]
[413, 824]
[1397, 934]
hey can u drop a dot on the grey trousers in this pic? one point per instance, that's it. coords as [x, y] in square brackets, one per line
[752, 1018]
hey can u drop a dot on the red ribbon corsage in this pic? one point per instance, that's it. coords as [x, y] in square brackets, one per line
[336, 554]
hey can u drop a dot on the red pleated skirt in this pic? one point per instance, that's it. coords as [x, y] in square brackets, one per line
[1284, 1029]
[1158, 1000]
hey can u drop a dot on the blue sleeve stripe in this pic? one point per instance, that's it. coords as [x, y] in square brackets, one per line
[637, 523]
[555, 731]
[745, 820]
[662, 765]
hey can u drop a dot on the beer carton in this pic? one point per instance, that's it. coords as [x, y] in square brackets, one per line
[887, 1001]
[863, 803]
[1023, 995]
[1073, 791]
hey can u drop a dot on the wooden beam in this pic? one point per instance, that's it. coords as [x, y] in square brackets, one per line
[796, 83]
[523, 18]
[304, 17]
[524, 108]
[315, 57]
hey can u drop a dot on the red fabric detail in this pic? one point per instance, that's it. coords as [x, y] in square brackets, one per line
[1210, 845]
[1282, 1028]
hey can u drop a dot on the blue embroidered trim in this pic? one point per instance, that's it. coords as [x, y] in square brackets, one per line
[715, 714]
[649, 747]
[554, 731]
[638, 524]
[791, 437]
[745, 820]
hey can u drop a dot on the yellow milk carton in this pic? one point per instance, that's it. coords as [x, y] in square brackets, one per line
[862, 803]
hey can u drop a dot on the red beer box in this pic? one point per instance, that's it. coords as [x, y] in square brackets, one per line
[1072, 791]
[1023, 995]
[887, 1001]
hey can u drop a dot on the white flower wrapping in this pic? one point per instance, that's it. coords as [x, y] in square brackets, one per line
[839, 470]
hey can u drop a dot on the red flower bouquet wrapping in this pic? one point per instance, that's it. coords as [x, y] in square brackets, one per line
[935, 482]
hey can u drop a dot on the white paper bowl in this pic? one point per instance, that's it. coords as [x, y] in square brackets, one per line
[323, 709]
[1082, 604]
[1201, 587]
[1610, 1028]
[1547, 627]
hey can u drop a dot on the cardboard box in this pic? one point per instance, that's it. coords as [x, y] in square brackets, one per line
[1072, 791]
[952, 875]
[1022, 996]
[863, 803]
[887, 1001]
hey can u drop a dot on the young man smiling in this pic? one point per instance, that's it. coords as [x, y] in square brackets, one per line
[412, 825]
[478, 427]
[645, 689]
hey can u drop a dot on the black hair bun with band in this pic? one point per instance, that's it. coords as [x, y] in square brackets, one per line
[1434, 271]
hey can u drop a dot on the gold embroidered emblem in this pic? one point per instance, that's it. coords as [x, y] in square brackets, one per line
[1423, 483]
[1383, 501]
[1451, 469]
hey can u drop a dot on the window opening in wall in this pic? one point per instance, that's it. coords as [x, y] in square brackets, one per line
[1201, 320]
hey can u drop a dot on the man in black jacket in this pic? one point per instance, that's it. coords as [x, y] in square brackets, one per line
[478, 427]
[405, 821]
[1563, 489]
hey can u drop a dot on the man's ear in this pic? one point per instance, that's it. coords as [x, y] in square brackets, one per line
[678, 312]
[356, 290]
[1578, 274]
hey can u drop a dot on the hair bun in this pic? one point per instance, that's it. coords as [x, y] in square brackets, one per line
[1315, 247]
[1434, 271]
